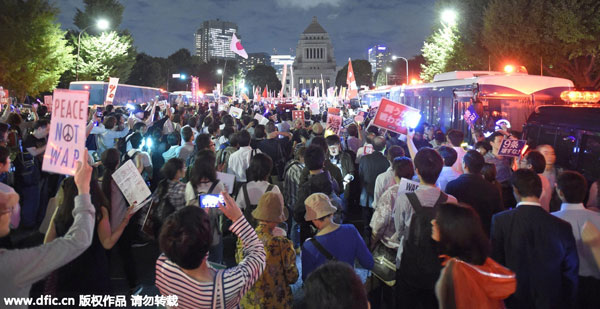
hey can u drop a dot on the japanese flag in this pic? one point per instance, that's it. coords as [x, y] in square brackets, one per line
[351, 81]
[236, 47]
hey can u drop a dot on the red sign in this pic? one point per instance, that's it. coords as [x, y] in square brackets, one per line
[297, 114]
[4, 96]
[113, 82]
[333, 111]
[396, 117]
[334, 123]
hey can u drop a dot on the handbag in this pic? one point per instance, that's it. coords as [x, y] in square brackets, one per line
[219, 290]
[384, 267]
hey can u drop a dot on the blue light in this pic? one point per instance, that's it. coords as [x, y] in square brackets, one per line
[130, 106]
[381, 48]
[412, 119]
[370, 50]
[149, 142]
[182, 76]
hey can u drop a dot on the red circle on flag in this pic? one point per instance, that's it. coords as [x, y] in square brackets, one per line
[238, 45]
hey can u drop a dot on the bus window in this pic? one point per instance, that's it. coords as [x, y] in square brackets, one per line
[446, 114]
[516, 111]
[566, 141]
[435, 111]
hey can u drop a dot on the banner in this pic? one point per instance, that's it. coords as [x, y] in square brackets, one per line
[351, 82]
[283, 83]
[470, 115]
[113, 82]
[194, 90]
[511, 147]
[334, 123]
[396, 117]
[314, 108]
[48, 102]
[297, 114]
[66, 140]
[334, 111]
[236, 112]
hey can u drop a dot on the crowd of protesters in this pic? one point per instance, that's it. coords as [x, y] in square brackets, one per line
[472, 229]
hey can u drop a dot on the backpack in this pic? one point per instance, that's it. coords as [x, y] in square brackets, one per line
[420, 265]
[250, 207]
[159, 210]
[215, 216]
[126, 156]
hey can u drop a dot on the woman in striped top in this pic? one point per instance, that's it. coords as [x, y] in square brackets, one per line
[183, 269]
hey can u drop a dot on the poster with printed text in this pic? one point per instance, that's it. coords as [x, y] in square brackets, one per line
[396, 117]
[511, 147]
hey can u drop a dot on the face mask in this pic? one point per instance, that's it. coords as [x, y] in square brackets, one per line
[334, 150]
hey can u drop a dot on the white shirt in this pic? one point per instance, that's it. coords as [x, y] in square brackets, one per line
[361, 152]
[460, 153]
[171, 153]
[447, 175]
[546, 193]
[239, 162]
[255, 190]
[384, 181]
[577, 215]
[108, 136]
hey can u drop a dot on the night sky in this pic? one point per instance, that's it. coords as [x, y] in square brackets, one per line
[161, 27]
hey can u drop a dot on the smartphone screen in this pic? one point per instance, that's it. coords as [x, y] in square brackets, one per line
[99, 112]
[210, 200]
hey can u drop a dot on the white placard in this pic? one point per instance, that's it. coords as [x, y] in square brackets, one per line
[130, 182]
[228, 180]
[264, 121]
[407, 185]
[259, 117]
[113, 82]
[66, 140]
[236, 112]
[315, 109]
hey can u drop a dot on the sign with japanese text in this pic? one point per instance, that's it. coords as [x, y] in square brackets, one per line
[194, 90]
[470, 115]
[236, 112]
[334, 123]
[66, 140]
[113, 82]
[334, 111]
[297, 114]
[511, 147]
[396, 117]
[130, 182]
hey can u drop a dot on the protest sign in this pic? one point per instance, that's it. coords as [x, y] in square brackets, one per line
[407, 185]
[227, 180]
[334, 111]
[259, 117]
[66, 140]
[396, 117]
[314, 108]
[130, 182]
[511, 147]
[4, 97]
[48, 101]
[264, 121]
[236, 112]
[113, 82]
[297, 114]
[334, 123]
[368, 149]
[470, 115]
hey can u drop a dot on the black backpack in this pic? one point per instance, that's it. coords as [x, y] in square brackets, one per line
[250, 207]
[126, 156]
[420, 264]
[159, 209]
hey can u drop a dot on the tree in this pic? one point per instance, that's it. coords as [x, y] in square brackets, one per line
[437, 50]
[380, 79]
[362, 74]
[34, 52]
[263, 75]
[107, 55]
[148, 71]
[563, 35]
[110, 10]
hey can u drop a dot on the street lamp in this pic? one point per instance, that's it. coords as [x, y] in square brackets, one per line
[405, 60]
[449, 17]
[102, 24]
[220, 72]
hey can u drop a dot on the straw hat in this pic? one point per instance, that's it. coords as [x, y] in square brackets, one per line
[318, 206]
[270, 208]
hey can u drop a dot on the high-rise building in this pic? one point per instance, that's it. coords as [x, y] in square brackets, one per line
[253, 59]
[379, 57]
[213, 40]
[314, 64]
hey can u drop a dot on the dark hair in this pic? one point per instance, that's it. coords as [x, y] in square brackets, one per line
[456, 137]
[136, 139]
[4, 154]
[203, 167]
[192, 121]
[270, 127]
[187, 134]
[14, 120]
[3, 129]
[138, 125]
[403, 167]
[537, 161]
[492, 137]
[244, 138]
[483, 144]
[474, 161]
[186, 236]
[335, 285]
[395, 152]
[214, 128]
[314, 157]
[333, 140]
[259, 131]
[488, 171]
[110, 122]
[234, 139]
[448, 154]
[208, 121]
[429, 163]
[173, 139]
[203, 142]
[461, 233]
[64, 215]
[111, 158]
[573, 186]
[352, 130]
[527, 182]
[373, 129]
[319, 141]
[227, 132]
[171, 167]
[379, 143]
[260, 167]
[299, 152]
[439, 136]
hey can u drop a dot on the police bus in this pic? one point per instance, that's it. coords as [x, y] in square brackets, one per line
[493, 95]
[125, 93]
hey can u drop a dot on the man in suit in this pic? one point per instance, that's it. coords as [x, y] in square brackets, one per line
[537, 246]
[470, 188]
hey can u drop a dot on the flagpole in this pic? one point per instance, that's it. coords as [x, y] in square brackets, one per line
[223, 76]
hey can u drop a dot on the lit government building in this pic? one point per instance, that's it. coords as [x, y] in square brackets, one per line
[314, 58]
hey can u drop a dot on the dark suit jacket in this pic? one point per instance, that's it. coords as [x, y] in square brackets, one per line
[475, 191]
[540, 249]
[369, 167]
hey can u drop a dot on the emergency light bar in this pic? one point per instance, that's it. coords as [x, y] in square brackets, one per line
[580, 96]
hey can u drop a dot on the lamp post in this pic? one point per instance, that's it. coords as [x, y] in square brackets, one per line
[405, 60]
[220, 72]
[449, 17]
[102, 24]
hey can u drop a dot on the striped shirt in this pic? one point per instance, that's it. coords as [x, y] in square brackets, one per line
[171, 280]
